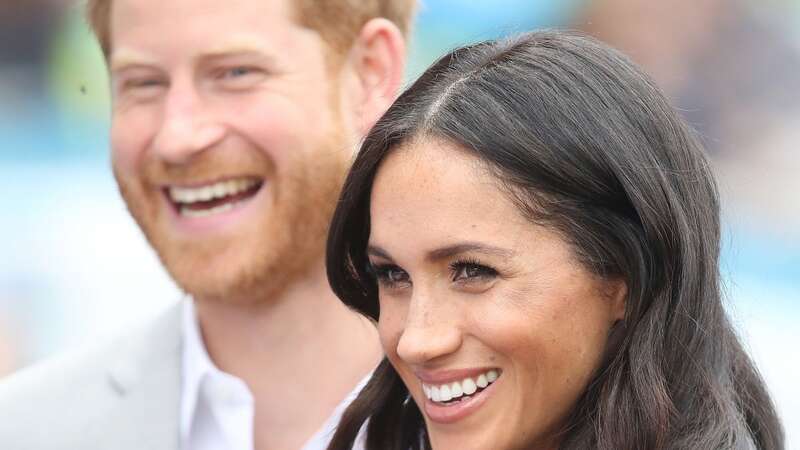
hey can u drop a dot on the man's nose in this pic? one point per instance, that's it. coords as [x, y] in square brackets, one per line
[188, 125]
[432, 330]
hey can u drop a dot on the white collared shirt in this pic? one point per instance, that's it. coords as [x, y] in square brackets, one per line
[217, 408]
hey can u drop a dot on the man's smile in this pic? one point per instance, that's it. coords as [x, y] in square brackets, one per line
[207, 199]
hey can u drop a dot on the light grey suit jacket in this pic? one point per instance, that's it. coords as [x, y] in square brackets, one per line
[123, 395]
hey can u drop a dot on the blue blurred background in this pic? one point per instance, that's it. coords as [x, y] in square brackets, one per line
[75, 268]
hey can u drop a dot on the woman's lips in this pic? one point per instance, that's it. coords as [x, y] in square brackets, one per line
[453, 395]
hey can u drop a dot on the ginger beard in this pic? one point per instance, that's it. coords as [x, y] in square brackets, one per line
[256, 260]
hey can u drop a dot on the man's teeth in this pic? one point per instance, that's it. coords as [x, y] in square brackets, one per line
[211, 191]
[186, 212]
[468, 386]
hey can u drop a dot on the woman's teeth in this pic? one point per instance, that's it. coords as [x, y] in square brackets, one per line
[450, 391]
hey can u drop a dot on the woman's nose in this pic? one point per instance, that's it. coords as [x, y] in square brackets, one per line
[432, 330]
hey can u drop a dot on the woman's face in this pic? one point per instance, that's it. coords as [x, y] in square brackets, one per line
[489, 319]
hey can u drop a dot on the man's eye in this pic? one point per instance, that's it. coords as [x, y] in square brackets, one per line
[148, 83]
[240, 78]
[142, 83]
[140, 88]
[471, 271]
[238, 72]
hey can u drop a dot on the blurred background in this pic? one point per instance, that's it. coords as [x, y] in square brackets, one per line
[75, 268]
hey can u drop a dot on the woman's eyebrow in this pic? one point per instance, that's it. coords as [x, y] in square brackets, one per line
[464, 247]
[449, 251]
[374, 250]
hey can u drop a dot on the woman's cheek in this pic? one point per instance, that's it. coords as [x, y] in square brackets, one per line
[390, 327]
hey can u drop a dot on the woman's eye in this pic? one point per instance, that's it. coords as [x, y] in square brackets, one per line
[390, 275]
[468, 271]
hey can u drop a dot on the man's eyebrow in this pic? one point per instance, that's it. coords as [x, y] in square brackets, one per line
[255, 54]
[122, 58]
[235, 46]
[467, 247]
[222, 52]
[241, 46]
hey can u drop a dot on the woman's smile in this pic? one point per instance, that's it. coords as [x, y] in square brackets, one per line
[450, 401]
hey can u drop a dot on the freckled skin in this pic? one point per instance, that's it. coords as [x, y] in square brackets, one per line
[542, 319]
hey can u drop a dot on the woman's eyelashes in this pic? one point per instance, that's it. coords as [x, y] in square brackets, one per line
[463, 272]
[390, 275]
[471, 271]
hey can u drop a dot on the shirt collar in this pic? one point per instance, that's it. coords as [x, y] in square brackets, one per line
[198, 368]
[196, 365]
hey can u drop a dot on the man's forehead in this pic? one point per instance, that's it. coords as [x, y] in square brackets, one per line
[151, 9]
[235, 22]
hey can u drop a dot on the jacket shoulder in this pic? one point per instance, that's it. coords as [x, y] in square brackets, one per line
[79, 399]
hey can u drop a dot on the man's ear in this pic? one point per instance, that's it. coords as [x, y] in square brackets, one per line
[378, 58]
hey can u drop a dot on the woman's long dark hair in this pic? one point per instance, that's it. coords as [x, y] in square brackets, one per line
[588, 145]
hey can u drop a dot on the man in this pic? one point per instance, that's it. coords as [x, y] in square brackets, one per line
[233, 125]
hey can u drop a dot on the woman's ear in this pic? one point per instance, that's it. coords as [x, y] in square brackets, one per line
[617, 295]
[377, 58]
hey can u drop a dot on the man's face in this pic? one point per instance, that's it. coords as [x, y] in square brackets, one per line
[226, 139]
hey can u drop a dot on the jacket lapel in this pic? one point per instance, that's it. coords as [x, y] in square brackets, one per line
[146, 378]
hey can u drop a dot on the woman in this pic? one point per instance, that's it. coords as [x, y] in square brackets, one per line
[536, 233]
